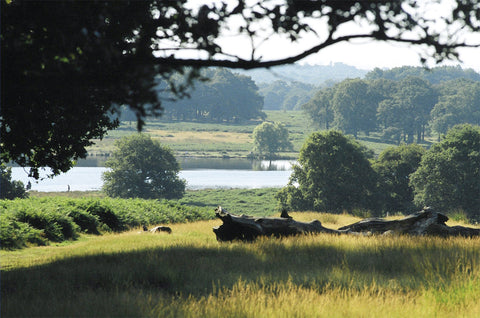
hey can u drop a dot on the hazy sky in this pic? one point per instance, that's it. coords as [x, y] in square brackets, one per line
[365, 54]
[384, 55]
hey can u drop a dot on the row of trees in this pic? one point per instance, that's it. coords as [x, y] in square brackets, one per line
[335, 173]
[289, 87]
[402, 110]
[225, 96]
[286, 95]
[434, 75]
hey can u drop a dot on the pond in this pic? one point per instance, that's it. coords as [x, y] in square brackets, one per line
[199, 174]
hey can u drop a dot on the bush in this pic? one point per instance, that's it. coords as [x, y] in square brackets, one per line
[87, 222]
[56, 226]
[38, 221]
[106, 216]
[14, 234]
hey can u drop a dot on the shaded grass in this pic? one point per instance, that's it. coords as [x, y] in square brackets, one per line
[189, 274]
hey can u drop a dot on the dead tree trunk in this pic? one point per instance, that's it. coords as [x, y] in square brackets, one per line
[248, 228]
[425, 222]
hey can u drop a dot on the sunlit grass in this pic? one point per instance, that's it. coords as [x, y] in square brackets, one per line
[218, 139]
[189, 274]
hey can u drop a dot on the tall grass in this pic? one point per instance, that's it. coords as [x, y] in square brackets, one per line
[189, 274]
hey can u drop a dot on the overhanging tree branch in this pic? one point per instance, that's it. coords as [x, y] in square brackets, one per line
[240, 63]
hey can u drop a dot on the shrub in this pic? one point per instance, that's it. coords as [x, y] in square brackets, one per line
[106, 216]
[87, 222]
[39, 220]
[56, 226]
[14, 234]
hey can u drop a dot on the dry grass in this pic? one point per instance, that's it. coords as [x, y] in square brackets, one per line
[190, 274]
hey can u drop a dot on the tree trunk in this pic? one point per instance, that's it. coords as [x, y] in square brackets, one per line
[248, 228]
[425, 222]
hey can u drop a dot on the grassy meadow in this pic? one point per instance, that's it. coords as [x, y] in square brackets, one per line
[126, 272]
[220, 140]
[189, 274]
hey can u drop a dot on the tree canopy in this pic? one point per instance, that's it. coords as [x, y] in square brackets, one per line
[449, 173]
[68, 66]
[333, 174]
[405, 110]
[10, 189]
[286, 95]
[394, 166]
[270, 138]
[225, 96]
[142, 168]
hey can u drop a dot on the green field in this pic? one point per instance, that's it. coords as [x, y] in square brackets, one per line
[127, 272]
[197, 139]
[189, 274]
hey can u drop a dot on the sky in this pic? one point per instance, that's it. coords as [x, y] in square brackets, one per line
[364, 54]
[369, 55]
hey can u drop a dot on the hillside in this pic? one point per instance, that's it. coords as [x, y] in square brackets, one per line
[310, 74]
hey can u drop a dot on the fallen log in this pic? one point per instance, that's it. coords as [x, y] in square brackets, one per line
[247, 228]
[425, 222]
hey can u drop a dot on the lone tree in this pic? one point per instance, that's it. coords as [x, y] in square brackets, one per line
[270, 138]
[67, 66]
[449, 174]
[333, 174]
[142, 168]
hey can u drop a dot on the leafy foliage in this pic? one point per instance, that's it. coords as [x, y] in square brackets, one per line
[353, 107]
[269, 138]
[41, 220]
[61, 85]
[449, 174]
[405, 109]
[320, 108]
[393, 167]
[333, 175]
[141, 167]
[286, 95]
[10, 189]
[65, 83]
[224, 97]
[434, 75]
[459, 103]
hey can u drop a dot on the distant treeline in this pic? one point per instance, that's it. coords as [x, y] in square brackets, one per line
[404, 103]
[220, 96]
[383, 100]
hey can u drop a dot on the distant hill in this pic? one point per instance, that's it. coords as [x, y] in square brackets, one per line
[311, 74]
[435, 75]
